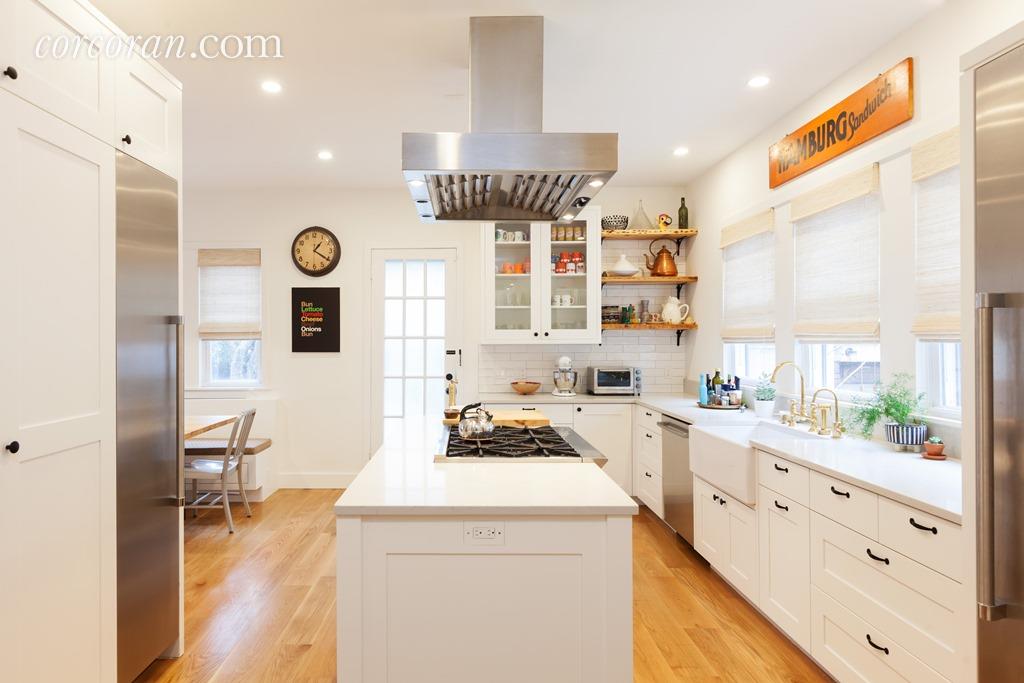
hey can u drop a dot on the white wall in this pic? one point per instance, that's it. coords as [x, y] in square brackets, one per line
[323, 399]
[738, 186]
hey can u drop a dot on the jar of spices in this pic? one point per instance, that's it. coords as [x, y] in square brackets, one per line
[579, 233]
[560, 233]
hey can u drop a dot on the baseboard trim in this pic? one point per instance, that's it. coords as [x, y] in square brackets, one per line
[314, 480]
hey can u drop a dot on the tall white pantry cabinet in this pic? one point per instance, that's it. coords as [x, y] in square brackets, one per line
[61, 122]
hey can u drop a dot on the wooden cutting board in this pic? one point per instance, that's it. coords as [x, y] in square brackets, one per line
[512, 418]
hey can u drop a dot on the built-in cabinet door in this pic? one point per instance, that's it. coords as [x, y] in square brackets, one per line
[571, 310]
[511, 283]
[148, 116]
[57, 557]
[741, 568]
[711, 524]
[52, 53]
[785, 577]
[608, 428]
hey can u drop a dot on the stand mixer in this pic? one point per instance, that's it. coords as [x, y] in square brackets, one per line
[565, 378]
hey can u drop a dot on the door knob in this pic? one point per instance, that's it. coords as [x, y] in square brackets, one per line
[127, 139]
[12, 447]
[11, 73]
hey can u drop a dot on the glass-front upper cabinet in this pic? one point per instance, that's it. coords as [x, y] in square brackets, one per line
[542, 281]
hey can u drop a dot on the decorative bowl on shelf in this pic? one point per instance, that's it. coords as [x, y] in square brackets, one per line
[615, 222]
[525, 387]
[623, 268]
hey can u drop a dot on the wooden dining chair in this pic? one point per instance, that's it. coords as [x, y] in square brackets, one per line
[210, 469]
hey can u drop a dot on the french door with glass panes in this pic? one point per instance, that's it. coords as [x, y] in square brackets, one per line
[414, 325]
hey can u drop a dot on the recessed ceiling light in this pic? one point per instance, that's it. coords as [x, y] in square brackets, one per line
[681, 151]
[596, 183]
[272, 87]
[325, 155]
[759, 81]
[568, 216]
[416, 183]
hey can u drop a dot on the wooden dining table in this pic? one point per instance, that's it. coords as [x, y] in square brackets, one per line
[200, 424]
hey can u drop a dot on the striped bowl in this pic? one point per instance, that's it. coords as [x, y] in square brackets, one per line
[905, 435]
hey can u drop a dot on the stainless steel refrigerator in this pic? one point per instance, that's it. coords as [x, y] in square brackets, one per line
[149, 406]
[999, 288]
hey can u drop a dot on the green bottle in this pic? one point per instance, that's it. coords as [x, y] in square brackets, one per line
[684, 215]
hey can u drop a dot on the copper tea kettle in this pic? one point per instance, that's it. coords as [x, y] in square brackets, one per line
[664, 265]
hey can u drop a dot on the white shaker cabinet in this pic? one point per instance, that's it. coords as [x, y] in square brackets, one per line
[57, 412]
[524, 300]
[148, 116]
[725, 534]
[608, 427]
[785, 574]
[77, 87]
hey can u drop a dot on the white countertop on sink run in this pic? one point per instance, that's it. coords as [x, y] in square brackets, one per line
[676, 405]
[933, 486]
[403, 479]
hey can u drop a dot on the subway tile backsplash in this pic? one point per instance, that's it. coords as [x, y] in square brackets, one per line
[655, 352]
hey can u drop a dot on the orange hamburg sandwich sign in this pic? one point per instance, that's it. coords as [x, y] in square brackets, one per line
[884, 103]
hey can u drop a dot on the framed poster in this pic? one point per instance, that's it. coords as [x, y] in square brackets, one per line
[316, 324]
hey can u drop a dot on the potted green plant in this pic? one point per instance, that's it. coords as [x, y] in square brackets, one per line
[895, 404]
[764, 396]
[933, 448]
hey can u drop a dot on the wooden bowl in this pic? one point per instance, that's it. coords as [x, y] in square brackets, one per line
[524, 387]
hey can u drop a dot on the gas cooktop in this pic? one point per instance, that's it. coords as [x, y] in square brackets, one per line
[512, 442]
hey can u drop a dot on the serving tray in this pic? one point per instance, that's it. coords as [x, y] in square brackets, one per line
[711, 407]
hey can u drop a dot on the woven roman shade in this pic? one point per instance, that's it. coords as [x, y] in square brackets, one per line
[837, 271]
[936, 154]
[748, 278]
[229, 294]
[754, 225]
[937, 255]
[858, 184]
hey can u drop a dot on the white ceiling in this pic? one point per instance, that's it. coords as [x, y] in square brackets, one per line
[661, 73]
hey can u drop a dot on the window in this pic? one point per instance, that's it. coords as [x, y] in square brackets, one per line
[749, 360]
[936, 322]
[938, 376]
[414, 337]
[748, 296]
[847, 368]
[230, 308]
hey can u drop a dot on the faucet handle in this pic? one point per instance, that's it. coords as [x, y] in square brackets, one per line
[838, 428]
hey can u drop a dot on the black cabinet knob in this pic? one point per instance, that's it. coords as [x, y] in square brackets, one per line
[536, 334]
[127, 139]
[579, 409]
[13, 447]
[545, 334]
[11, 73]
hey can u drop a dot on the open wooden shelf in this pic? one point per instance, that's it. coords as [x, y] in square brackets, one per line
[678, 328]
[648, 234]
[677, 280]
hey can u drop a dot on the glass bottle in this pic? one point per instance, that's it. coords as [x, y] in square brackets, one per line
[684, 215]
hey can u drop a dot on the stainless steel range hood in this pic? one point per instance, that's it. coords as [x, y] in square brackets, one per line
[506, 169]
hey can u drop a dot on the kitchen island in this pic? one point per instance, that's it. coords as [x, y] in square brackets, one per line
[482, 571]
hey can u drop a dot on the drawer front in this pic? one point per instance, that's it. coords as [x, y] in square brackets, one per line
[914, 605]
[783, 477]
[785, 564]
[559, 413]
[840, 641]
[649, 491]
[648, 419]
[933, 542]
[845, 503]
[650, 450]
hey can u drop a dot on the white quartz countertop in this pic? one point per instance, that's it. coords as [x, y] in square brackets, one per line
[933, 486]
[403, 479]
[678, 406]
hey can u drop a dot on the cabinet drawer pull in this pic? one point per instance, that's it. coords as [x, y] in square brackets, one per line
[876, 558]
[922, 527]
[876, 646]
[714, 497]
[838, 492]
[648, 414]
[780, 468]
[721, 501]
[648, 436]
[781, 506]
[648, 475]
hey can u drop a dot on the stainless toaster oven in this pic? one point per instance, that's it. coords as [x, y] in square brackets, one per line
[601, 380]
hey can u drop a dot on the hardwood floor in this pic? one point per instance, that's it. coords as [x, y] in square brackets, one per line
[259, 605]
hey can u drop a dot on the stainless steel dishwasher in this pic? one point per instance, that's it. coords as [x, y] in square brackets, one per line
[677, 479]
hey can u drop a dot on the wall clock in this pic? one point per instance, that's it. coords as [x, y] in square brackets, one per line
[316, 251]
